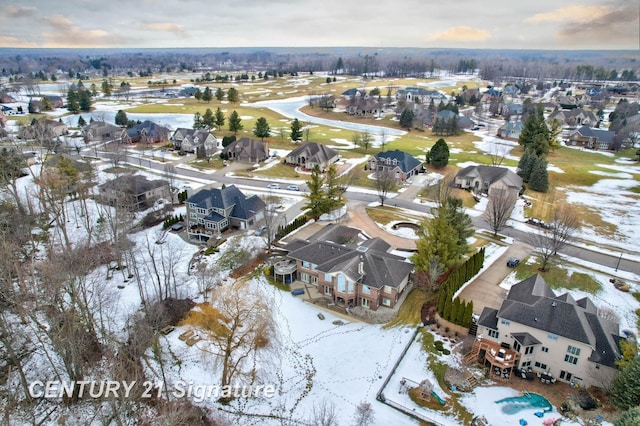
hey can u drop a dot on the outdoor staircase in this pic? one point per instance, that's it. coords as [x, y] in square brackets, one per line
[473, 330]
[471, 356]
[473, 382]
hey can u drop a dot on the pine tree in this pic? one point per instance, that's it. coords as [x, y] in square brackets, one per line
[235, 122]
[316, 201]
[197, 121]
[455, 308]
[625, 387]
[526, 163]
[630, 417]
[439, 154]
[81, 122]
[438, 242]
[219, 118]
[406, 118]
[121, 118]
[207, 95]
[447, 308]
[261, 129]
[198, 95]
[72, 101]
[232, 95]
[208, 120]
[219, 94]
[539, 179]
[296, 130]
[84, 100]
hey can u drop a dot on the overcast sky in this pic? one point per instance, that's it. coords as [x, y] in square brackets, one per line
[513, 24]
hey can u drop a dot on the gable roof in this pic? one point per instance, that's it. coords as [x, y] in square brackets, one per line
[379, 267]
[532, 303]
[133, 184]
[149, 128]
[599, 134]
[406, 162]
[491, 174]
[315, 152]
[230, 197]
[246, 148]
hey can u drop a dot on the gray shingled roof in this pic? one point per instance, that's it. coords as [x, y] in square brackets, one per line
[314, 152]
[228, 197]
[525, 339]
[151, 128]
[491, 174]
[406, 162]
[380, 267]
[600, 135]
[489, 318]
[532, 303]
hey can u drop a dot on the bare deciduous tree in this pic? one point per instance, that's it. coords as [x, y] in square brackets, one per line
[384, 183]
[556, 234]
[237, 325]
[498, 211]
[364, 414]
[324, 414]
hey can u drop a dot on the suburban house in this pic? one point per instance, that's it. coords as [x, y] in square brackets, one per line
[511, 130]
[43, 129]
[509, 109]
[591, 138]
[420, 95]
[37, 106]
[347, 267]
[558, 336]
[354, 93]
[489, 179]
[146, 132]
[101, 131]
[399, 164]
[133, 192]
[189, 140]
[574, 117]
[364, 107]
[247, 150]
[310, 154]
[212, 211]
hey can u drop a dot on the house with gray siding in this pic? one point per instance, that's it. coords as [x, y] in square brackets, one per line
[400, 165]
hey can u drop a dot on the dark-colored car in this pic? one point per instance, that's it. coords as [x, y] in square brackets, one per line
[513, 262]
[177, 227]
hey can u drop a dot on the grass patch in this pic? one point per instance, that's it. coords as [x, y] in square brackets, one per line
[281, 171]
[559, 278]
[215, 163]
[386, 214]
[410, 310]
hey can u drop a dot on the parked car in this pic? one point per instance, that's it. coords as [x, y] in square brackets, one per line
[260, 231]
[273, 186]
[177, 227]
[513, 262]
[293, 188]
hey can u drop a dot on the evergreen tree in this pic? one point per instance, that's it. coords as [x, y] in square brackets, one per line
[439, 154]
[84, 100]
[438, 243]
[261, 129]
[526, 164]
[461, 223]
[208, 121]
[106, 88]
[81, 122]
[232, 95]
[72, 101]
[631, 417]
[207, 95]
[448, 307]
[316, 200]
[406, 118]
[121, 118]
[334, 190]
[535, 131]
[625, 387]
[197, 121]
[219, 118]
[226, 140]
[198, 95]
[235, 122]
[219, 94]
[296, 130]
[539, 179]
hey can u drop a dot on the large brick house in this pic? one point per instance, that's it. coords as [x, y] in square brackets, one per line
[349, 268]
[247, 150]
[399, 164]
[591, 138]
[310, 154]
[212, 211]
[555, 335]
[487, 179]
[133, 192]
[146, 132]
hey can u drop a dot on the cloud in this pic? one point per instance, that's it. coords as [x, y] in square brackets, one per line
[575, 13]
[461, 33]
[66, 34]
[15, 42]
[18, 12]
[167, 27]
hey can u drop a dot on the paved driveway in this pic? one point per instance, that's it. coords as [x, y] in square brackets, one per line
[484, 290]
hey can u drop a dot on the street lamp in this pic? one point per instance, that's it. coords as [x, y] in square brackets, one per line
[618, 264]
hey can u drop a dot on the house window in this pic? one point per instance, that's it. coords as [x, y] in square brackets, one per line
[552, 336]
[365, 302]
[314, 280]
[350, 286]
[505, 322]
[397, 175]
[342, 285]
[305, 264]
[493, 333]
[573, 350]
[565, 375]
[540, 365]
[386, 302]
[304, 277]
[526, 364]
[327, 277]
[366, 289]
[571, 359]
[313, 266]
[528, 350]
[327, 290]
[193, 215]
[544, 349]
[516, 346]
